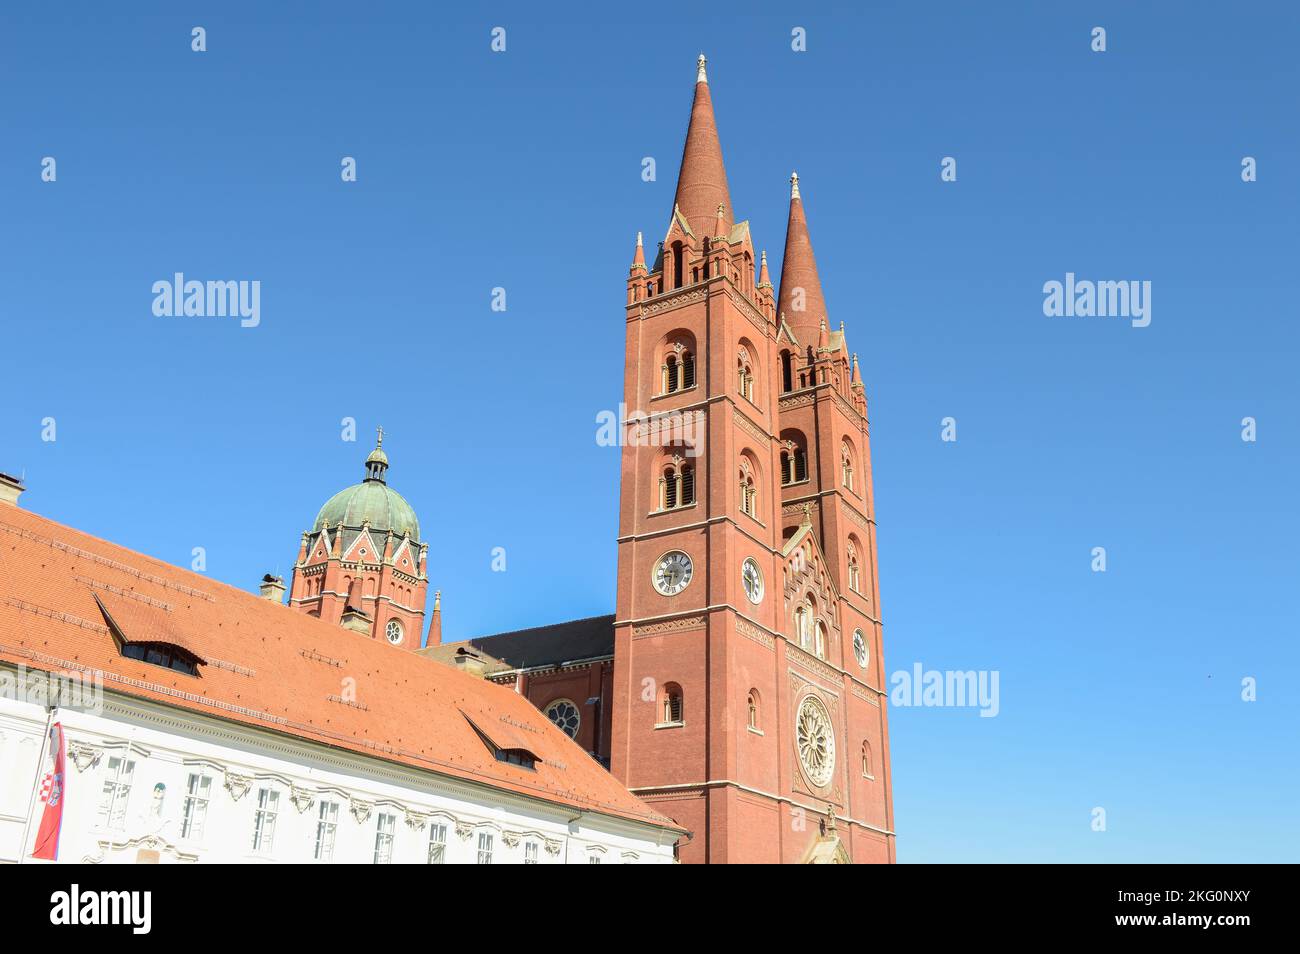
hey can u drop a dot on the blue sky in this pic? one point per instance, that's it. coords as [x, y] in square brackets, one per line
[1118, 690]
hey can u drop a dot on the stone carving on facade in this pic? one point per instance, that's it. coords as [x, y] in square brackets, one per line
[301, 798]
[464, 829]
[553, 846]
[416, 820]
[237, 785]
[361, 809]
[511, 838]
[84, 755]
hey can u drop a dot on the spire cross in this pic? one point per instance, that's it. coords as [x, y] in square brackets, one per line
[380, 442]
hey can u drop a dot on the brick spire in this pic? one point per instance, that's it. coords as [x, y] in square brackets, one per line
[799, 271]
[702, 182]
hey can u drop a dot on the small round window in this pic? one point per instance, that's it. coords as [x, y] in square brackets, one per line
[393, 631]
[860, 648]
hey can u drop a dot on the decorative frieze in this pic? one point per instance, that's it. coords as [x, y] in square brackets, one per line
[681, 624]
[750, 631]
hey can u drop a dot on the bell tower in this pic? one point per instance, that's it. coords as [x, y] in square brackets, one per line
[739, 705]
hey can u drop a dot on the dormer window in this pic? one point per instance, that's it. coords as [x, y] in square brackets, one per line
[521, 757]
[161, 654]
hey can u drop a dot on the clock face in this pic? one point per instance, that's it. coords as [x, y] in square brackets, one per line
[752, 577]
[672, 573]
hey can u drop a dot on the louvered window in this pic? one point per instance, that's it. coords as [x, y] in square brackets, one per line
[688, 485]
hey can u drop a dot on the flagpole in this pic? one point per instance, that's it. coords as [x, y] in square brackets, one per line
[40, 772]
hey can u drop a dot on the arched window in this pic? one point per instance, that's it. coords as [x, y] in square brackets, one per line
[820, 634]
[677, 264]
[676, 484]
[748, 493]
[745, 374]
[670, 704]
[794, 465]
[803, 625]
[855, 573]
[753, 708]
[846, 465]
[866, 760]
[787, 371]
[678, 371]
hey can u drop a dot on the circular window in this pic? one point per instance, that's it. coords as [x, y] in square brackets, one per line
[752, 577]
[816, 741]
[860, 648]
[393, 630]
[564, 714]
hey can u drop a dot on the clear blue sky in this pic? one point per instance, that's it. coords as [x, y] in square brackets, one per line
[1118, 689]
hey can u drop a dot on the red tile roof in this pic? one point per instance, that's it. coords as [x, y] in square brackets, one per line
[270, 667]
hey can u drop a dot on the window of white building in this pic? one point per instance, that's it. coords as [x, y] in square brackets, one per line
[116, 791]
[437, 844]
[194, 810]
[327, 823]
[485, 848]
[530, 852]
[268, 808]
[385, 828]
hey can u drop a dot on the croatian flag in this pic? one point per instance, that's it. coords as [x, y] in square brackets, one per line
[47, 837]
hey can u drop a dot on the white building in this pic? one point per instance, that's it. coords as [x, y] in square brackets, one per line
[205, 724]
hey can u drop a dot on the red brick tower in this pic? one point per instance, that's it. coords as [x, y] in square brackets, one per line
[362, 564]
[746, 571]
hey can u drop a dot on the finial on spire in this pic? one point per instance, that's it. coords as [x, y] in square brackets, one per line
[377, 462]
[700, 75]
[638, 256]
[794, 185]
[720, 224]
[437, 601]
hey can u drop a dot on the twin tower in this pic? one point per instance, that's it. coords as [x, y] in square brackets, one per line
[749, 685]
[747, 698]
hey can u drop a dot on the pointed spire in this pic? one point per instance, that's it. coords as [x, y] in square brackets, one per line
[435, 622]
[764, 279]
[638, 257]
[702, 181]
[823, 337]
[857, 375]
[720, 228]
[801, 289]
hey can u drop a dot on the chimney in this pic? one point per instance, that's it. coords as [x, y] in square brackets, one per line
[470, 663]
[357, 621]
[10, 489]
[273, 588]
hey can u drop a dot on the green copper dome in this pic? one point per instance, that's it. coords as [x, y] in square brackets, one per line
[371, 501]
